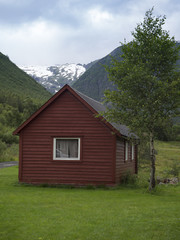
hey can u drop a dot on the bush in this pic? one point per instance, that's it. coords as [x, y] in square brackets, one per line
[175, 169]
[8, 138]
[9, 152]
[2, 146]
[176, 132]
[128, 178]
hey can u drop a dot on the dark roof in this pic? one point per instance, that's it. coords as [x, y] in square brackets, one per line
[124, 130]
[99, 107]
[95, 106]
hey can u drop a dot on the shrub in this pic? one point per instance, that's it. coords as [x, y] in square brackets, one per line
[2, 146]
[175, 169]
[128, 178]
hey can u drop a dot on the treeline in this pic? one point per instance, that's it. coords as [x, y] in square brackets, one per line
[14, 110]
[170, 131]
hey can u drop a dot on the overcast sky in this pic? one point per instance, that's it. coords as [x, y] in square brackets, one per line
[48, 32]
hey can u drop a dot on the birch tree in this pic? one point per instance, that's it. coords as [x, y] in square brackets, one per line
[147, 81]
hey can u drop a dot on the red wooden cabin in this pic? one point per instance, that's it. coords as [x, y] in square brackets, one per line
[64, 142]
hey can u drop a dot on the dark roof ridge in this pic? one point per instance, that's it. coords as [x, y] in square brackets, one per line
[86, 96]
[97, 106]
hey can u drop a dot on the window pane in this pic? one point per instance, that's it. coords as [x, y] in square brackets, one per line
[132, 152]
[66, 148]
[126, 151]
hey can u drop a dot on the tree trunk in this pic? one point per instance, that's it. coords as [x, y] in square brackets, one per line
[152, 182]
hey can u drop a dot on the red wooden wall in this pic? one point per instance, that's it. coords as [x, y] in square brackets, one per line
[67, 117]
[123, 166]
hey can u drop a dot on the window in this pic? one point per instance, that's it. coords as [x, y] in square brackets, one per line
[66, 149]
[126, 151]
[132, 151]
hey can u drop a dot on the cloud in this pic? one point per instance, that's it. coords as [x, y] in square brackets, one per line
[35, 42]
[60, 31]
[98, 17]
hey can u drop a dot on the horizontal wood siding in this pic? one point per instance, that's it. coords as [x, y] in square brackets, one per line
[67, 117]
[123, 166]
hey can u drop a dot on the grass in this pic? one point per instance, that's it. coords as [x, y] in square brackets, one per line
[126, 212]
[37, 213]
[167, 162]
[168, 158]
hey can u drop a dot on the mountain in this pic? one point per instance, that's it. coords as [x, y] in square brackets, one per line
[89, 65]
[55, 77]
[94, 81]
[15, 81]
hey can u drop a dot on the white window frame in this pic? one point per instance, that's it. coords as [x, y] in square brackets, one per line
[63, 158]
[126, 150]
[132, 151]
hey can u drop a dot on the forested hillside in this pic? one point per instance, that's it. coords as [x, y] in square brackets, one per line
[15, 81]
[20, 96]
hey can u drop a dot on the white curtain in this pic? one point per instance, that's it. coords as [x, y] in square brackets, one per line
[66, 148]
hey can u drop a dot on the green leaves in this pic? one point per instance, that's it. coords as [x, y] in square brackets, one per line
[147, 79]
[148, 83]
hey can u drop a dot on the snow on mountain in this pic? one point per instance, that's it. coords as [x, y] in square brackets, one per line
[71, 71]
[55, 77]
[38, 71]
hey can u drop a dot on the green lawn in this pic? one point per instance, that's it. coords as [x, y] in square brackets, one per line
[168, 158]
[39, 213]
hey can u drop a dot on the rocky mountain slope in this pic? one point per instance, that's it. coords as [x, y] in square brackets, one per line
[55, 77]
[90, 79]
[94, 81]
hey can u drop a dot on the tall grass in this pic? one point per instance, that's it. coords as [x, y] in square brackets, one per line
[168, 158]
[167, 162]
